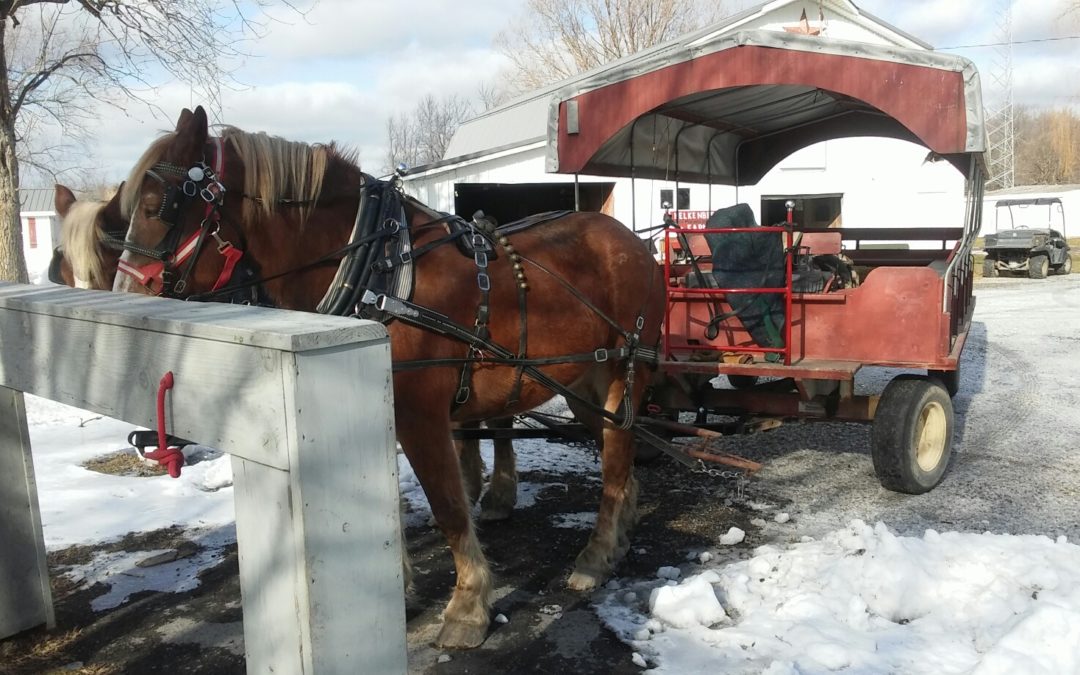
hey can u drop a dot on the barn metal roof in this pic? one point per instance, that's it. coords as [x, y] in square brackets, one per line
[37, 200]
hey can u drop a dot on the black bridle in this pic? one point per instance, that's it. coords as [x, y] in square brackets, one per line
[174, 259]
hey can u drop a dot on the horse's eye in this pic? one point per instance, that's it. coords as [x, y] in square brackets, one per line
[151, 204]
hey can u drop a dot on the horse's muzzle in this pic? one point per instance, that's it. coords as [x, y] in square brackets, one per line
[55, 266]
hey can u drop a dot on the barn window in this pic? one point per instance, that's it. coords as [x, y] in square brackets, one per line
[684, 198]
[667, 199]
[31, 227]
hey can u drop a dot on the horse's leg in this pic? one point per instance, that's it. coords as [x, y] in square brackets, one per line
[427, 445]
[610, 538]
[501, 496]
[472, 466]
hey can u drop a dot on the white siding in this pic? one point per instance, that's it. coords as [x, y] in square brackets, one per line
[47, 229]
[885, 183]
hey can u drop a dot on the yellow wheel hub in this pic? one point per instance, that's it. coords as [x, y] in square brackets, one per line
[930, 436]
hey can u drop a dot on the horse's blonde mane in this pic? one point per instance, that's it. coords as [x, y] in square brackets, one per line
[80, 236]
[276, 169]
[129, 196]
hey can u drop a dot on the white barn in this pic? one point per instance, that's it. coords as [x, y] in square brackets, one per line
[40, 228]
[500, 162]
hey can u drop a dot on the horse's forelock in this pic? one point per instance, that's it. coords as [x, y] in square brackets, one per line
[129, 196]
[275, 168]
[80, 236]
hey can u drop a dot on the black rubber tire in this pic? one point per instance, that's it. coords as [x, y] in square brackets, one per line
[742, 381]
[1038, 267]
[1065, 267]
[950, 379]
[913, 411]
[990, 269]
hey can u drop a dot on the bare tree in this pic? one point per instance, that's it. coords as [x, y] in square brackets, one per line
[491, 95]
[62, 58]
[1047, 146]
[422, 136]
[556, 39]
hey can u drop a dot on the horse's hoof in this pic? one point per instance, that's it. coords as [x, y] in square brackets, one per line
[458, 635]
[472, 492]
[584, 581]
[494, 513]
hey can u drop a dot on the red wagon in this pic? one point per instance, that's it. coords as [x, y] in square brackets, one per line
[727, 116]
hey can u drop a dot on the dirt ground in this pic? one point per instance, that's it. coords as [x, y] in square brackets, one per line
[548, 628]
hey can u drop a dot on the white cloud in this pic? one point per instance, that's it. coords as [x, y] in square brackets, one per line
[1046, 81]
[1044, 18]
[1044, 73]
[350, 29]
[939, 22]
[338, 75]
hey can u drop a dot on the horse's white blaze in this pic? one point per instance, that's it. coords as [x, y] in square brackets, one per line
[81, 283]
[124, 283]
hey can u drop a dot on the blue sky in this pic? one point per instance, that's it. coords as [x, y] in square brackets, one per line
[342, 70]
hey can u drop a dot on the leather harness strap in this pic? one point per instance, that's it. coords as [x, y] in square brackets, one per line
[480, 248]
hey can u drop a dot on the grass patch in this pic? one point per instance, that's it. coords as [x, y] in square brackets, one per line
[47, 655]
[124, 463]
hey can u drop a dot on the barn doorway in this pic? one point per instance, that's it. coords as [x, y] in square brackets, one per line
[510, 201]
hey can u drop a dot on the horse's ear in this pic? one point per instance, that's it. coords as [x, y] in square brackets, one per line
[184, 120]
[192, 131]
[112, 212]
[63, 199]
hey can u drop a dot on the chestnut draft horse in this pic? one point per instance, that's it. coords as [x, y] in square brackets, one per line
[91, 236]
[573, 304]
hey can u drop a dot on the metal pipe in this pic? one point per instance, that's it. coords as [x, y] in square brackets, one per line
[577, 194]
[633, 178]
[708, 168]
[676, 196]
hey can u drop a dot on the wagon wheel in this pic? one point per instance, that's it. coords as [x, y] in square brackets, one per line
[911, 441]
[1038, 267]
[990, 269]
[1065, 267]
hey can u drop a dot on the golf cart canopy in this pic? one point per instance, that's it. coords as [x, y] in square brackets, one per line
[726, 110]
[1036, 201]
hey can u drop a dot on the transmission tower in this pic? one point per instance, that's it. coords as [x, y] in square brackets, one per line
[1001, 123]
